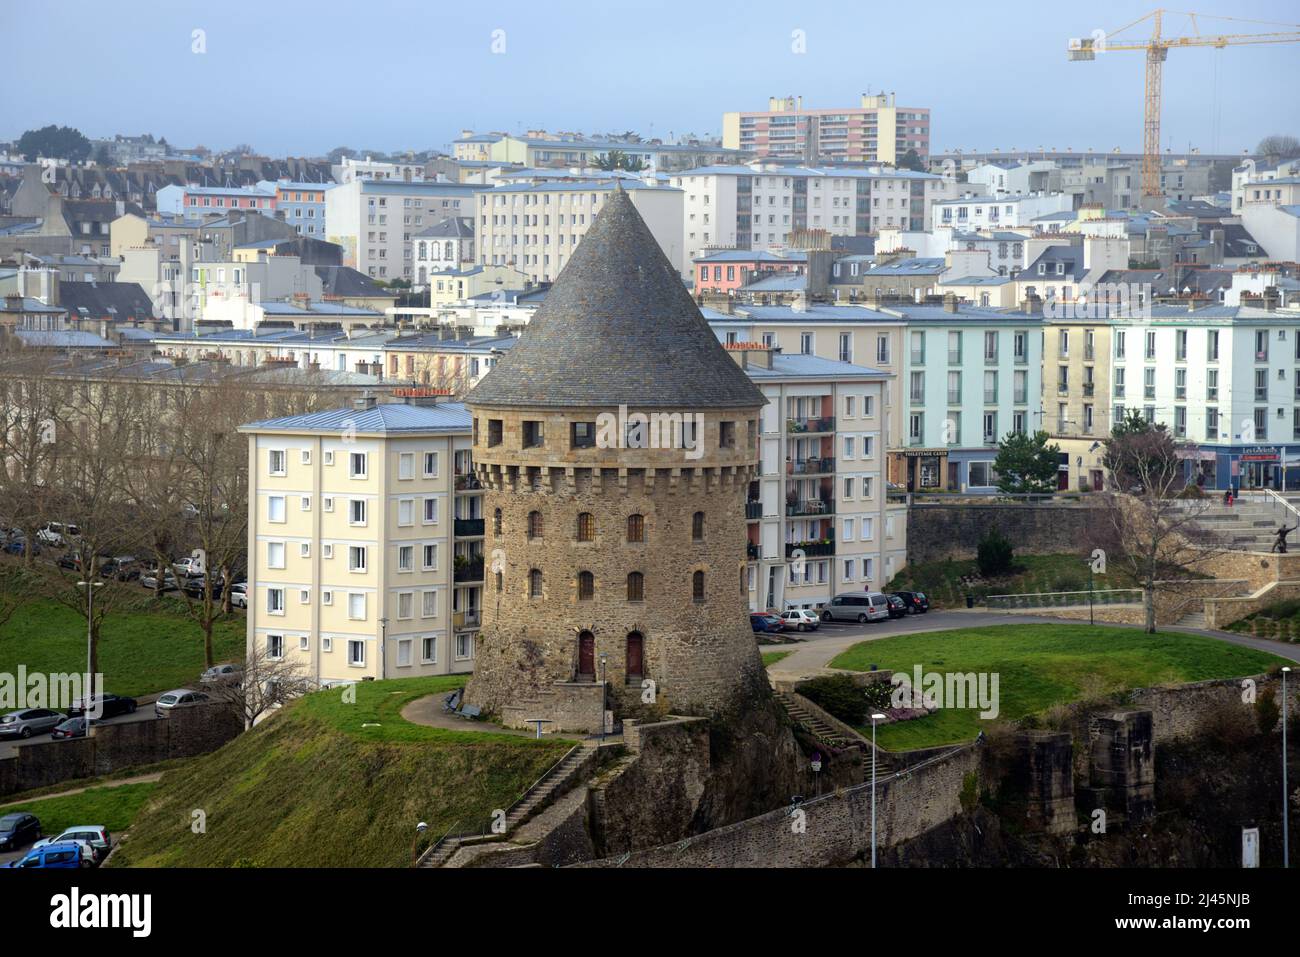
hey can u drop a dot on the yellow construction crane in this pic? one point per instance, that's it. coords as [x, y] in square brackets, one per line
[1157, 49]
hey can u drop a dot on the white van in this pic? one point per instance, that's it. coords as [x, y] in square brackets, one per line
[862, 607]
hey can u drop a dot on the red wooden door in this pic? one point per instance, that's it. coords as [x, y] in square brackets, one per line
[587, 655]
[635, 655]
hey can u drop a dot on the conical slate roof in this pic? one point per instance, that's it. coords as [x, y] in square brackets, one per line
[618, 328]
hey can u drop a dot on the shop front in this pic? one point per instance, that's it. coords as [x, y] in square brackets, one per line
[922, 470]
[1274, 467]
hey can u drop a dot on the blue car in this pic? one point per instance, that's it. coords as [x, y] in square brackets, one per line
[65, 855]
[761, 622]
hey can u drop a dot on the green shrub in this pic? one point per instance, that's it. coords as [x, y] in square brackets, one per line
[995, 555]
[839, 696]
[1267, 711]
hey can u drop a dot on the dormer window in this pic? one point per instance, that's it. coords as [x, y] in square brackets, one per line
[1042, 269]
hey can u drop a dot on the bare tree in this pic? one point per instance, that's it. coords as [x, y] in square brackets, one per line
[267, 682]
[32, 398]
[1151, 526]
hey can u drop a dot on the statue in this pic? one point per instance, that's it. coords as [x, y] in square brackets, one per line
[1279, 545]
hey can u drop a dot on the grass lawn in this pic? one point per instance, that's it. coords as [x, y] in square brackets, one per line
[330, 792]
[149, 647]
[1044, 665]
[772, 657]
[111, 807]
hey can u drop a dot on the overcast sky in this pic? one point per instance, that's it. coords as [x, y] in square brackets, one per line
[299, 78]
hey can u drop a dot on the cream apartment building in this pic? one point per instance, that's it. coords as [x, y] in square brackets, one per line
[365, 545]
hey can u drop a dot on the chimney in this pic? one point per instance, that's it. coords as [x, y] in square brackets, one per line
[363, 402]
[1272, 298]
[950, 302]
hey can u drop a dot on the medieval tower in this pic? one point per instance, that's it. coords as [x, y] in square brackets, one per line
[615, 443]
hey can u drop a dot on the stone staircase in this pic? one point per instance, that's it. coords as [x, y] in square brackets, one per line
[562, 776]
[1246, 526]
[1193, 619]
[830, 736]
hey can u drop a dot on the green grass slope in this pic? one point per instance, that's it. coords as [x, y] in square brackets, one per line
[1039, 666]
[331, 784]
[111, 807]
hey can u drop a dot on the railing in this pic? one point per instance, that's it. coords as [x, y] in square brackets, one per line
[467, 619]
[469, 572]
[1066, 599]
[1278, 503]
[528, 791]
[810, 549]
[752, 551]
[825, 423]
[814, 506]
[467, 483]
[810, 466]
[753, 510]
[468, 527]
[1088, 388]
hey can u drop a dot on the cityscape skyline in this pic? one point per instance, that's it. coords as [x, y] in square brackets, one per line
[421, 93]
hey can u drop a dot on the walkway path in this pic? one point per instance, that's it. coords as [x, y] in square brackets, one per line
[116, 783]
[814, 655]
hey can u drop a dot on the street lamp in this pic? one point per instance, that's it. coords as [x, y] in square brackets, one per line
[383, 650]
[415, 843]
[90, 632]
[604, 694]
[1088, 562]
[1286, 837]
[817, 773]
[874, 719]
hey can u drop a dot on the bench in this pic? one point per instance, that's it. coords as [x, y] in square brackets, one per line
[451, 703]
[469, 712]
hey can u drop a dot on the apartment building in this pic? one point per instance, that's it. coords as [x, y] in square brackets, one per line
[971, 211]
[819, 522]
[877, 130]
[448, 244]
[177, 200]
[301, 205]
[375, 220]
[535, 227]
[539, 149]
[763, 205]
[365, 540]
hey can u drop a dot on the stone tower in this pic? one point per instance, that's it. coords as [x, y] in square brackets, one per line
[615, 443]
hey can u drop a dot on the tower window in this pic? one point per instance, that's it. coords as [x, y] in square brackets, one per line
[635, 586]
[496, 522]
[534, 525]
[498, 582]
[494, 432]
[535, 583]
[636, 528]
[582, 435]
[697, 527]
[586, 527]
[727, 435]
[586, 586]
[697, 586]
[534, 435]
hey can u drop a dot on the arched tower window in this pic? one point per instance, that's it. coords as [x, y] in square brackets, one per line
[535, 583]
[697, 586]
[586, 527]
[586, 586]
[636, 528]
[498, 582]
[635, 586]
[697, 527]
[496, 522]
[534, 524]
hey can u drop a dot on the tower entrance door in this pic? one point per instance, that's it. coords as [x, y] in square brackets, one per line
[586, 656]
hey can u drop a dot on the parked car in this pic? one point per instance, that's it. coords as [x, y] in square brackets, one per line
[864, 607]
[18, 546]
[149, 579]
[897, 607]
[178, 699]
[93, 837]
[239, 594]
[110, 706]
[188, 567]
[68, 854]
[28, 721]
[17, 830]
[57, 534]
[764, 622]
[916, 602]
[801, 619]
[223, 674]
[70, 561]
[124, 568]
[70, 728]
[194, 587]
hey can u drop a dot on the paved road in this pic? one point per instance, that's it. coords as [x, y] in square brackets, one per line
[143, 713]
[7, 856]
[815, 654]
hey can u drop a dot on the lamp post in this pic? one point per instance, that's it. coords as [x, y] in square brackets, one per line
[874, 719]
[1286, 835]
[415, 843]
[89, 690]
[817, 773]
[383, 649]
[604, 694]
[1089, 564]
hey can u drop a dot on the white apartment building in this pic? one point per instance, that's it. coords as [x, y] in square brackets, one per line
[374, 220]
[819, 521]
[972, 211]
[760, 206]
[365, 541]
[535, 227]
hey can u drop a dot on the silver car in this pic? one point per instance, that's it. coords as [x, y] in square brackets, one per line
[178, 699]
[861, 607]
[29, 721]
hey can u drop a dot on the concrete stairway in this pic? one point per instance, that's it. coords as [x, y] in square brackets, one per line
[1248, 526]
[815, 726]
[1193, 619]
[562, 776]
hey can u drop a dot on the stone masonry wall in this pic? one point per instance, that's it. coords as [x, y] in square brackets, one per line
[937, 531]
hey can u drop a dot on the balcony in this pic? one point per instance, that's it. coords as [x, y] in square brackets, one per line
[470, 570]
[1088, 389]
[469, 528]
[810, 424]
[810, 466]
[753, 510]
[466, 619]
[752, 551]
[811, 507]
[468, 482]
[817, 549]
